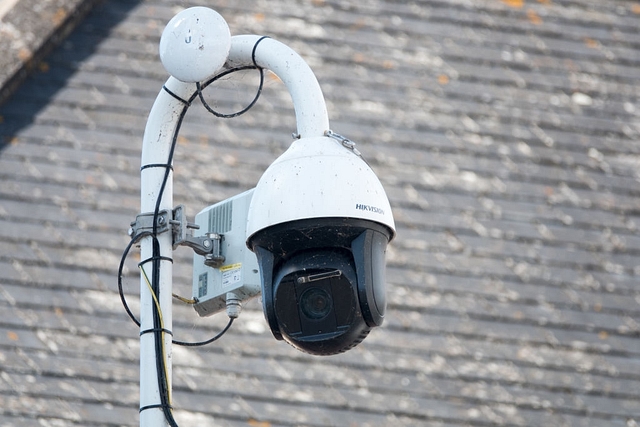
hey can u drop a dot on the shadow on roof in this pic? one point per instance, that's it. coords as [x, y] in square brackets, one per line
[54, 72]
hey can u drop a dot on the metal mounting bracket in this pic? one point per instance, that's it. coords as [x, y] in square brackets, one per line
[181, 232]
[144, 223]
[208, 246]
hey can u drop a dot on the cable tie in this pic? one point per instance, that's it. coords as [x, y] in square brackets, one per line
[187, 103]
[253, 52]
[156, 165]
[153, 258]
[147, 331]
[156, 406]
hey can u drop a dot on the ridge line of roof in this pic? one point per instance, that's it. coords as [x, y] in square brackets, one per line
[29, 33]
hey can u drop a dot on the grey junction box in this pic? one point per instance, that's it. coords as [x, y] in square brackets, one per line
[238, 277]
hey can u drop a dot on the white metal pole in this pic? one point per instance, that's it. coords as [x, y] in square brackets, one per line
[156, 145]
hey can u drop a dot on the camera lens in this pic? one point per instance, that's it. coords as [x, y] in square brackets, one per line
[315, 303]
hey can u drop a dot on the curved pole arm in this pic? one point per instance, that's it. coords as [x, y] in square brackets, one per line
[308, 101]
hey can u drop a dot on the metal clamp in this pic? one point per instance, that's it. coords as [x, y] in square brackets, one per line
[144, 223]
[346, 142]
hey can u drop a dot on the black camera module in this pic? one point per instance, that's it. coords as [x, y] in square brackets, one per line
[323, 282]
[321, 286]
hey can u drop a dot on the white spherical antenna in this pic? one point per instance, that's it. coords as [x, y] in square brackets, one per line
[195, 44]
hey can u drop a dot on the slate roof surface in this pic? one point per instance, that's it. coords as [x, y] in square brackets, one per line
[506, 134]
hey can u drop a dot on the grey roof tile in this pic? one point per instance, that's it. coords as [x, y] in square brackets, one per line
[506, 135]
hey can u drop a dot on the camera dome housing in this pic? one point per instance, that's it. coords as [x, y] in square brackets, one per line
[319, 223]
[318, 177]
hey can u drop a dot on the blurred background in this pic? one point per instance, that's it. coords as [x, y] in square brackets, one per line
[506, 134]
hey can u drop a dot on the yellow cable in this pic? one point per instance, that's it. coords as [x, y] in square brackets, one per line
[155, 300]
[184, 300]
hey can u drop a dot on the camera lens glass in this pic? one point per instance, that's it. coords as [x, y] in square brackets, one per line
[316, 303]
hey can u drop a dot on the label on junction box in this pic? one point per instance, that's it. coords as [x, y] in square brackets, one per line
[231, 274]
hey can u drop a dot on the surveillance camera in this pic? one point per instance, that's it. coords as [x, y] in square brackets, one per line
[319, 223]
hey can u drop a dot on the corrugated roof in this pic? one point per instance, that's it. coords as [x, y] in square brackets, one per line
[506, 135]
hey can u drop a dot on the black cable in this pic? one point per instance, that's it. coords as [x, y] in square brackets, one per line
[200, 87]
[209, 341]
[125, 254]
[163, 381]
[168, 170]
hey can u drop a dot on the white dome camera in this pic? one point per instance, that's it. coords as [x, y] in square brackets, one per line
[319, 222]
[312, 236]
